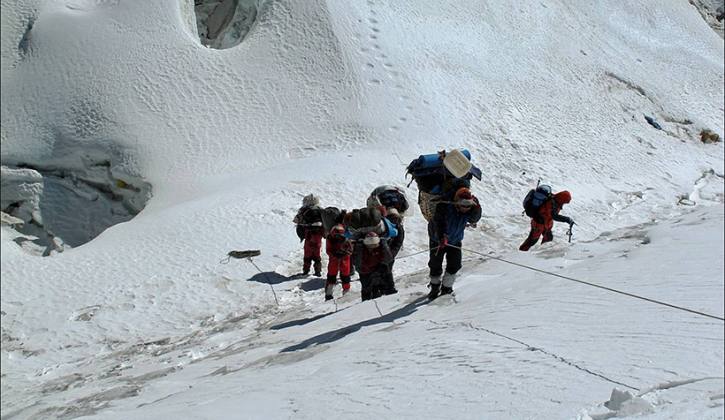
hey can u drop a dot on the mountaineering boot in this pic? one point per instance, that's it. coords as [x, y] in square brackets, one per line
[446, 290]
[435, 290]
[448, 280]
[318, 268]
[388, 285]
[547, 237]
[306, 266]
[528, 243]
[345, 284]
[330, 286]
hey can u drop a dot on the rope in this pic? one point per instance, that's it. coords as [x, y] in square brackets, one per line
[592, 284]
[375, 301]
[265, 275]
[413, 254]
[539, 349]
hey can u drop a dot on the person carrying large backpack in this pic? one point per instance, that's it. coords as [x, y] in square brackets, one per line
[543, 208]
[390, 197]
[387, 285]
[309, 229]
[375, 259]
[439, 175]
[358, 222]
[446, 232]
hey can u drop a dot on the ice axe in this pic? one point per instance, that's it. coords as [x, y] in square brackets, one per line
[568, 232]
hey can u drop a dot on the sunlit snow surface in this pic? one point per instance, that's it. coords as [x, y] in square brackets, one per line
[335, 99]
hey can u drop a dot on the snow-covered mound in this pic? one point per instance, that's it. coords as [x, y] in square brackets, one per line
[119, 113]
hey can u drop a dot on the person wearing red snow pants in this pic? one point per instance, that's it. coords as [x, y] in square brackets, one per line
[312, 249]
[542, 224]
[309, 229]
[338, 249]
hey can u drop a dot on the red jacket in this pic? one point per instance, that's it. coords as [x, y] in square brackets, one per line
[374, 259]
[338, 247]
[549, 211]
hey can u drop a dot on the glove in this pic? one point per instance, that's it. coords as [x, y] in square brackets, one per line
[571, 223]
[443, 244]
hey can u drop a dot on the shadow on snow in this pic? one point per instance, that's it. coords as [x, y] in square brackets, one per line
[272, 277]
[339, 333]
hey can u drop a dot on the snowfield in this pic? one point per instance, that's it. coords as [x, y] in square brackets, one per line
[136, 158]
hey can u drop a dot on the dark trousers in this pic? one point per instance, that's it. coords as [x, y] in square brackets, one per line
[376, 284]
[452, 255]
[366, 285]
[387, 285]
[356, 258]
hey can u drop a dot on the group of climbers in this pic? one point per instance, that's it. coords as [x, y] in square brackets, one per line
[367, 240]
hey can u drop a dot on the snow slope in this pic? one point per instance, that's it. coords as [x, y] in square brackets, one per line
[335, 99]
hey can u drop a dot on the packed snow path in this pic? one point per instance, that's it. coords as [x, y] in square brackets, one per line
[508, 335]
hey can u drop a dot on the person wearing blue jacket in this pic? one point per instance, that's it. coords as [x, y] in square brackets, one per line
[446, 231]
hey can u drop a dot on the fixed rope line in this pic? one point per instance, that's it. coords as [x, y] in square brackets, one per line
[265, 274]
[375, 301]
[413, 254]
[592, 284]
[541, 350]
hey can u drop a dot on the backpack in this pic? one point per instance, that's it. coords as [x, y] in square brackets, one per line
[365, 219]
[330, 216]
[312, 216]
[535, 199]
[430, 174]
[308, 218]
[435, 182]
[389, 196]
